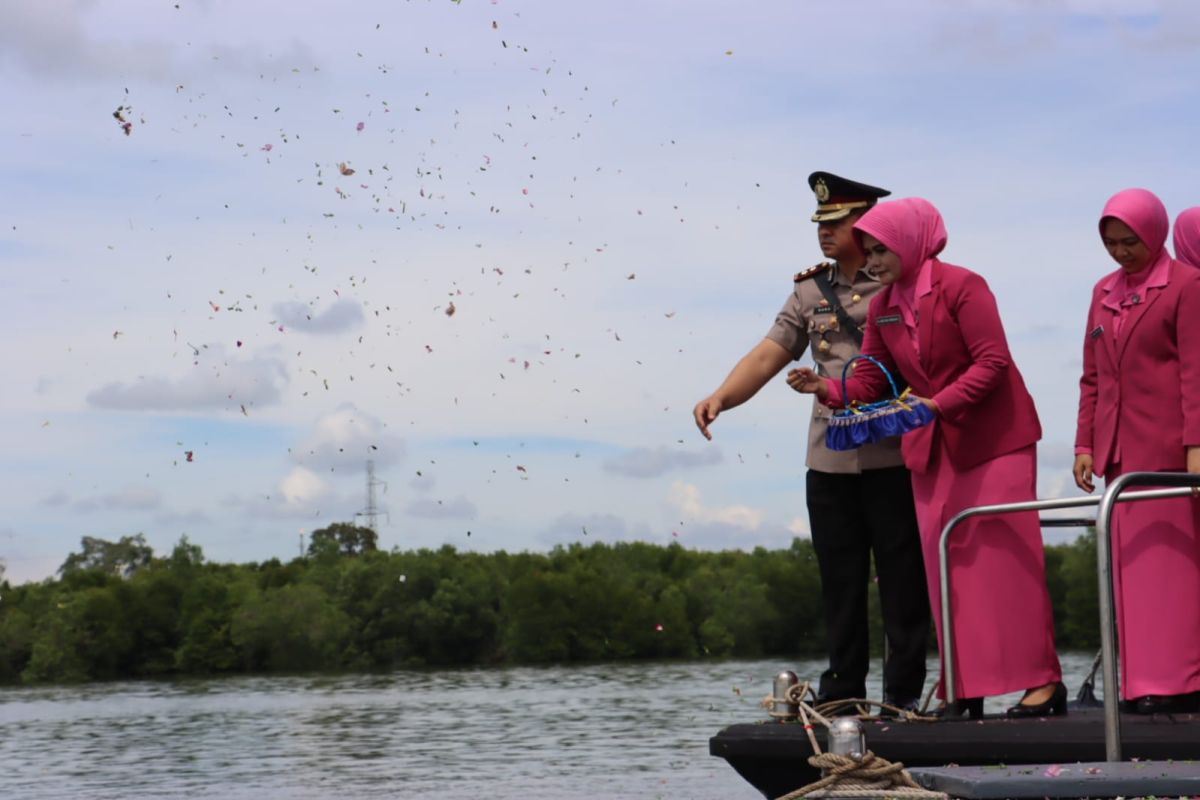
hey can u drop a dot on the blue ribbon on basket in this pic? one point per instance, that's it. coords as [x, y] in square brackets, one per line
[862, 423]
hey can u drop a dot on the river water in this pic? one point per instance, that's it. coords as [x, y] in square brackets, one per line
[630, 730]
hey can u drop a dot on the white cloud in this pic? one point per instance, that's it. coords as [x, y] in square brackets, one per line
[345, 438]
[428, 508]
[686, 498]
[130, 498]
[424, 482]
[193, 517]
[48, 38]
[646, 462]
[257, 381]
[303, 487]
[594, 527]
[727, 536]
[344, 315]
[55, 499]
[60, 39]
[799, 527]
[133, 498]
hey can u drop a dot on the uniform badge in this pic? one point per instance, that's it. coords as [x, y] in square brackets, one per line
[821, 190]
[889, 320]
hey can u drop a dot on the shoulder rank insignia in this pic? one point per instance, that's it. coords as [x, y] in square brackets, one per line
[813, 271]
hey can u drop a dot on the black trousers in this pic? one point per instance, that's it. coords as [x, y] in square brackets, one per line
[853, 516]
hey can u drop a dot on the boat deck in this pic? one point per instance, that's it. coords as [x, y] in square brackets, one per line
[772, 756]
[1084, 780]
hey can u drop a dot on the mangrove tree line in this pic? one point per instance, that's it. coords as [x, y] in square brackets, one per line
[117, 610]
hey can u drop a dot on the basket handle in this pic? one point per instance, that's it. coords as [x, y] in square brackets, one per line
[876, 362]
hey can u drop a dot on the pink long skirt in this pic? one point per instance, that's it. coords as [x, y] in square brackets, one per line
[1003, 624]
[1156, 586]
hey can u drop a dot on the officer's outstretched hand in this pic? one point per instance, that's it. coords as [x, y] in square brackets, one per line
[706, 412]
[806, 381]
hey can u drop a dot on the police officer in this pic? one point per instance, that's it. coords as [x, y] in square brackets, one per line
[860, 501]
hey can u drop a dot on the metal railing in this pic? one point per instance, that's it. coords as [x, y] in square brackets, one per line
[1113, 494]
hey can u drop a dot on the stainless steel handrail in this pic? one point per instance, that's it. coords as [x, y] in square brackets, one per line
[1105, 502]
[949, 671]
[1108, 637]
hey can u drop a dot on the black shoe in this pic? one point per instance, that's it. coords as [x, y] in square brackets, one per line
[909, 704]
[1056, 706]
[1168, 703]
[971, 707]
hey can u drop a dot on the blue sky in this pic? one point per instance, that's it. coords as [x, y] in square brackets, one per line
[613, 198]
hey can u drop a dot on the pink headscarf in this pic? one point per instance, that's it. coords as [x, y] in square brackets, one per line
[1187, 236]
[912, 229]
[1146, 216]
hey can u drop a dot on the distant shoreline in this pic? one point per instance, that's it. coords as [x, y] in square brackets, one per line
[360, 609]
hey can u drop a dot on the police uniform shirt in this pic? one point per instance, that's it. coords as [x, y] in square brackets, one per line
[808, 320]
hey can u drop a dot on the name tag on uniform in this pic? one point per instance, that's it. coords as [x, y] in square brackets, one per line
[823, 310]
[1095, 333]
[888, 320]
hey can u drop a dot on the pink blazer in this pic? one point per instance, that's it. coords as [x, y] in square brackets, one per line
[965, 366]
[1139, 397]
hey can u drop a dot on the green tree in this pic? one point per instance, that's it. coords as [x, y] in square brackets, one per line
[1078, 612]
[117, 611]
[293, 628]
[16, 643]
[348, 539]
[85, 636]
[121, 558]
[153, 616]
[205, 622]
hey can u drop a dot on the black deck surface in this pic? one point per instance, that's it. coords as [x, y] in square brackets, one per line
[1086, 780]
[773, 756]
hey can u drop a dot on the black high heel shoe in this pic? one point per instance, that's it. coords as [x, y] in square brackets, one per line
[1168, 703]
[1056, 706]
[971, 707]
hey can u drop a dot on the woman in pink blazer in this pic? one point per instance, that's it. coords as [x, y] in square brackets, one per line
[1139, 410]
[938, 326]
[1187, 236]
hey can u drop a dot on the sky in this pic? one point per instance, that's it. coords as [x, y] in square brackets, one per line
[502, 247]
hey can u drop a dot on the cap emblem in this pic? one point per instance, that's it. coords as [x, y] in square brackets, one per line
[822, 191]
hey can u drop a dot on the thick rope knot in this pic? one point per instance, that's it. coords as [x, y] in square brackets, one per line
[871, 768]
[872, 776]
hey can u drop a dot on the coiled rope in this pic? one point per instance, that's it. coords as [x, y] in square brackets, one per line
[871, 776]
